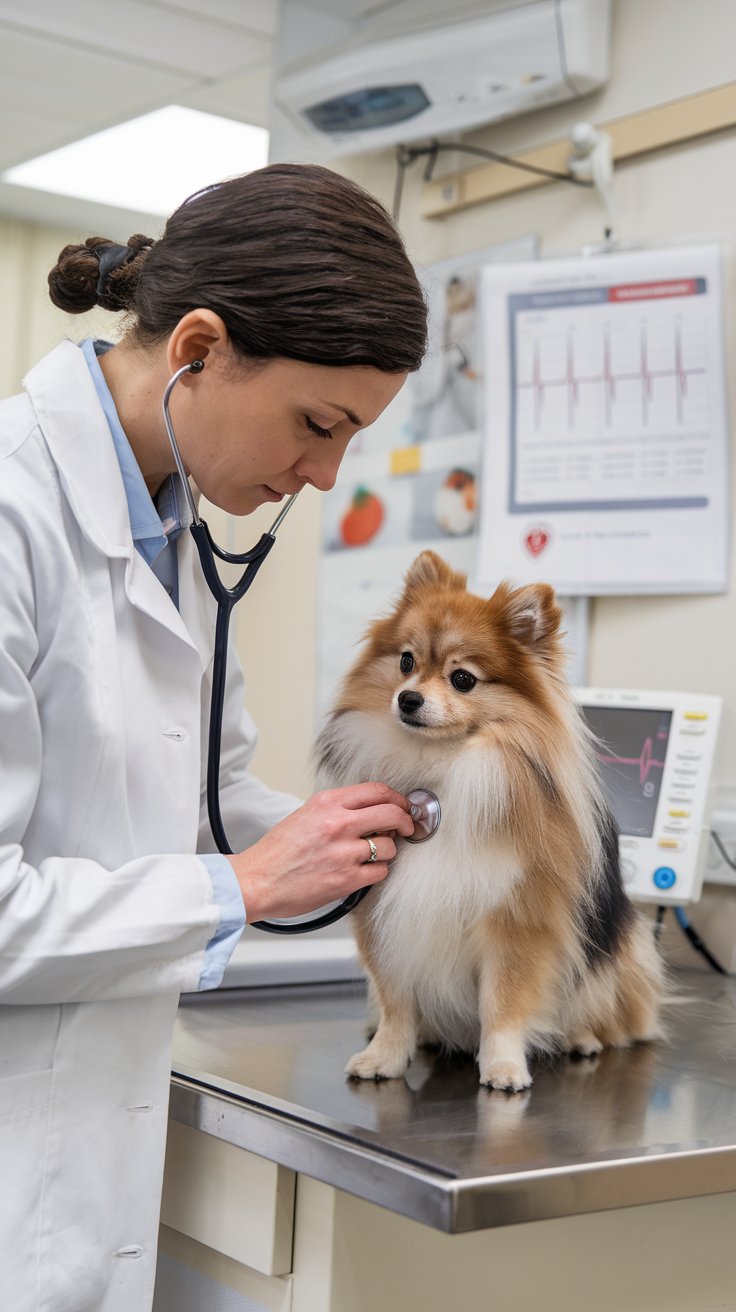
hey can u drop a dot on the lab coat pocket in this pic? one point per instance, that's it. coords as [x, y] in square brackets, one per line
[22, 1096]
[24, 1113]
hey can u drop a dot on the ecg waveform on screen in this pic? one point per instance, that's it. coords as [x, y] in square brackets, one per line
[646, 761]
[609, 380]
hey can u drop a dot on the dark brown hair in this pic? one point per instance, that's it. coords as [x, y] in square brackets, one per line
[298, 261]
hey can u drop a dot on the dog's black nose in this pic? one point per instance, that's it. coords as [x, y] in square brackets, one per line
[409, 702]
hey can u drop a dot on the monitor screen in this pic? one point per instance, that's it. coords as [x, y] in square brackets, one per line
[632, 753]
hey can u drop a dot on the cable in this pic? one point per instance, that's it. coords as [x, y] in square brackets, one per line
[494, 156]
[406, 155]
[659, 922]
[719, 844]
[402, 164]
[697, 942]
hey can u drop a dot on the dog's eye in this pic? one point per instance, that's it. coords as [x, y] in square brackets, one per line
[406, 664]
[463, 680]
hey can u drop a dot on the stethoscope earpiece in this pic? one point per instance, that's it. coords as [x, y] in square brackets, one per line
[196, 366]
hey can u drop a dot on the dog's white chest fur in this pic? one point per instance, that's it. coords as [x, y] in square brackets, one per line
[425, 916]
[425, 919]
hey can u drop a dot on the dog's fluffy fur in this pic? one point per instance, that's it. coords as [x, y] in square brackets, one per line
[509, 930]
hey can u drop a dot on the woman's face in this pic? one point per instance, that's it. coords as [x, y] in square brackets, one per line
[248, 435]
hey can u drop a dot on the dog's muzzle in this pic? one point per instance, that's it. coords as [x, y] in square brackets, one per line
[409, 703]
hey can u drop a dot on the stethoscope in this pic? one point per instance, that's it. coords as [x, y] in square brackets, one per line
[425, 806]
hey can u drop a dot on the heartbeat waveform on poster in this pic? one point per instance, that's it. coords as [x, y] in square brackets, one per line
[609, 380]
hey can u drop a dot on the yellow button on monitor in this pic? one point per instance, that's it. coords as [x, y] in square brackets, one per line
[406, 460]
[672, 843]
[696, 715]
[680, 814]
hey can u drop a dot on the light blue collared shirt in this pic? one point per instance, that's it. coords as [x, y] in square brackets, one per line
[154, 529]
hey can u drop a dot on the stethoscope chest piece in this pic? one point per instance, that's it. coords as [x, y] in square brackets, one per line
[427, 822]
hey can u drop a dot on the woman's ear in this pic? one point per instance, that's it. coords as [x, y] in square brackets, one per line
[197, 336]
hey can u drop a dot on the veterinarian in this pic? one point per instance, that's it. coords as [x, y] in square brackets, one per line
[293, 287]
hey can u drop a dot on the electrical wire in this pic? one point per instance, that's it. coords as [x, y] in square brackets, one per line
[692, 935]
[401, 167]
[483, 153]
[407, 155]
[719, 844]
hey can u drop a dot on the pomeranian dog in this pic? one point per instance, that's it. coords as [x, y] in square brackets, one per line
[508, 932]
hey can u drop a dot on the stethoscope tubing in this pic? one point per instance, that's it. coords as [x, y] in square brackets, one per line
[226, 599]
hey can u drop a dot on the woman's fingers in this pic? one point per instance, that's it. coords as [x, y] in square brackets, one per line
[384, 847]
[383, 820]
[357, 796]
[364, 809]
[371, 871]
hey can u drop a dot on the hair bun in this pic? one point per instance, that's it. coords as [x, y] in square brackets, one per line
[99, 272]
[73, 279]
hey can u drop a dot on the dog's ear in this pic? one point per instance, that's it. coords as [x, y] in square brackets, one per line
[430, 569]
[530, 614]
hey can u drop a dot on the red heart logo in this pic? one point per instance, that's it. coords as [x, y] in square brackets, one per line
[536, 540]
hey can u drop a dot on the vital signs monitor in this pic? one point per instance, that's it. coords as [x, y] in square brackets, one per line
[656, 753]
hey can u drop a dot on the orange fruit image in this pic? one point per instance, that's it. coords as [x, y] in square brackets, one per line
[362, 519]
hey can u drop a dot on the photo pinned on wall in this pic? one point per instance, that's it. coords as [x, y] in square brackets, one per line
[412, 481]
[445, 501]
[445, 393]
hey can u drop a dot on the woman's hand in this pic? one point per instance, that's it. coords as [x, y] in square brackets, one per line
[320, 853]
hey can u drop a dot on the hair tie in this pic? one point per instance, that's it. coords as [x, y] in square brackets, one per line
[111, 257]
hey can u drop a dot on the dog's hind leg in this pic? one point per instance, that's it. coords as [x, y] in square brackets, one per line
[623, 1006]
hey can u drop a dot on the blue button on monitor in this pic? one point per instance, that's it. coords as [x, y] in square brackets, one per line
[664, 877]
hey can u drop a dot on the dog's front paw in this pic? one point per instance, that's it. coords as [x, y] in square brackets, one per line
[502, 1060]
[375, 1063]
[511, 1076]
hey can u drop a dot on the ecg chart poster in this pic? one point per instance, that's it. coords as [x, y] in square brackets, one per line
[605, 460]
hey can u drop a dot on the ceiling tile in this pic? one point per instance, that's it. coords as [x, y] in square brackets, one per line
[255, 15]
[32, 131]
[77, 94]
[139, 32]
[245, 97]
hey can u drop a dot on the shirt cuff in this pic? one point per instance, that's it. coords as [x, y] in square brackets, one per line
[229, 899]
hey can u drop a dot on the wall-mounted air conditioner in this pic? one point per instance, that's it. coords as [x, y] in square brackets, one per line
[370, 88]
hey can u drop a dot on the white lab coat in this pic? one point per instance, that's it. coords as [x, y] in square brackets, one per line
[104, 910]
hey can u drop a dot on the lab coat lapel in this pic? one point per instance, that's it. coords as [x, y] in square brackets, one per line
[78, 437]
[196, 603]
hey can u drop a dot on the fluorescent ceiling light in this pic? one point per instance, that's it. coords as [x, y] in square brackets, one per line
[151, 163]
